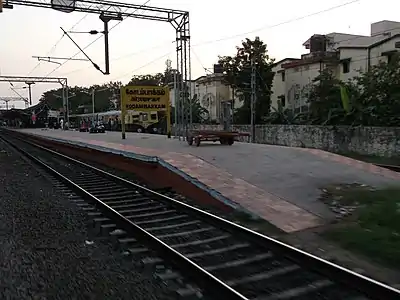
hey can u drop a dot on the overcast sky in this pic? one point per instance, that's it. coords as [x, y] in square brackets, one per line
[142, 47]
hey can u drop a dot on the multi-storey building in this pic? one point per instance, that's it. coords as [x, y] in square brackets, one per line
[345, 54]
[212, 92]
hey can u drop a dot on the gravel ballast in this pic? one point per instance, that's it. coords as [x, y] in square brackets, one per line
[45, 248]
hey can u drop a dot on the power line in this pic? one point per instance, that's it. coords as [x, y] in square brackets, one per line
[278, 24]
[224, 38]
[355, 37]
[53, 48]
[141, 67]
[123, 56]
[91, 43]
[199, 61]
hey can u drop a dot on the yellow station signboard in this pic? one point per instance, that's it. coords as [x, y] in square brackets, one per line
[144, 98]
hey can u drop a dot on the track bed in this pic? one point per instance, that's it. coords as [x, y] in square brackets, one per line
[226, 260]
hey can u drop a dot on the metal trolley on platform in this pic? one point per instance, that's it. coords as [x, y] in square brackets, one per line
[224, 137]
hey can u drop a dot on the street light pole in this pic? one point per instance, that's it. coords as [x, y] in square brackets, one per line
[93, 93]
[105, 20]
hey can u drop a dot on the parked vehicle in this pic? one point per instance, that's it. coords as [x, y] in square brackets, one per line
[97, 128]
[84, 128]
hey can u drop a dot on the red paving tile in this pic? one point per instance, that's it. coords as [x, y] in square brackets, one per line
[279, 212]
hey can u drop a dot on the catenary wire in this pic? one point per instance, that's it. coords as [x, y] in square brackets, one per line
[263, 28]
[91, 43]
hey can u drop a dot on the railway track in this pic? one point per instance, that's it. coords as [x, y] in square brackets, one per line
[389, 167]
[224, 259]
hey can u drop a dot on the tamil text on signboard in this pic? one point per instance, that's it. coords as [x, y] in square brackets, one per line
[144, 98]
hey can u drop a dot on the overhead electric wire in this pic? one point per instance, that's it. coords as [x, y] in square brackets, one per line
[122, 57]
[141, 67]
[238, 35]
[91, 43]
[278, 24]
[53, 48]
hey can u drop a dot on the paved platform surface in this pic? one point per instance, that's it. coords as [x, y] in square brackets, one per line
[280, 184]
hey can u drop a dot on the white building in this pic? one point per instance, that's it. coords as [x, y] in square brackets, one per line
[211, 90]
[345, 54]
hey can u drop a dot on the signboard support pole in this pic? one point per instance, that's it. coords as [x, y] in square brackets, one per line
[168, 121]
[123, 113]
[123, 125]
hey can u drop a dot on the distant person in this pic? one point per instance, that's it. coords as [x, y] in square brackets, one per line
[62, 124]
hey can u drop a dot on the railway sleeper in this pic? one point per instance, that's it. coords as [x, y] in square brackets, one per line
[89, 208]
[96, 182]
[201, 242]
[98, 222]
[184, 233]
[117, 234]
[122, 199]
[105, 229]
[172, 226]
[152, 264]
[169, 275]
[217, 251]
[152, 214]
[115, 195]
[189, 293]
[263, 275]
[298, 291]
[239, 262]
[161, 220]
[98, 188]
[131, 204]
[138, 250]
[126, 243]
[144, 209]
[83, 204]
[94, 214]
[77, 200]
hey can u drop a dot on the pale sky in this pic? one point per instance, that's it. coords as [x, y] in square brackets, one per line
[142, 47]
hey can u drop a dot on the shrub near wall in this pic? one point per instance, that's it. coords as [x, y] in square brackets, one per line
[382, 141]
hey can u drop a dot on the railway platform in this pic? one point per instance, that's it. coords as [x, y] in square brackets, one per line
[279, 184]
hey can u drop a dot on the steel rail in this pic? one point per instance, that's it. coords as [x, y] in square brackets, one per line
[367, 286]
[206, 280]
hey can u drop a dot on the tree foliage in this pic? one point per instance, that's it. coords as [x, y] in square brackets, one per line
[199, 113]
[107, 95]
[237, 73]
[80, 97]
[372, 99]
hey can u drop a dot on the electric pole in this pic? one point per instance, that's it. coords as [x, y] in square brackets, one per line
[253, 100]
[29, 83]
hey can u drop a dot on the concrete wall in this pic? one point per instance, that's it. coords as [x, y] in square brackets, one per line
[364, 140]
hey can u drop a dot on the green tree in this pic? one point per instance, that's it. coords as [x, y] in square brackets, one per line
[149, 80]
[377, 101]
[199, 113]
[237, 72]
[81, 96]
[324, 99]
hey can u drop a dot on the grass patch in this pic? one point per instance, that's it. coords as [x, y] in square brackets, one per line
[374, 159]
[374, 228]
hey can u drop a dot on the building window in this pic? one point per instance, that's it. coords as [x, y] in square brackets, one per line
[282, 100]
[346, 67]
[283, 75]
[390, 58]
